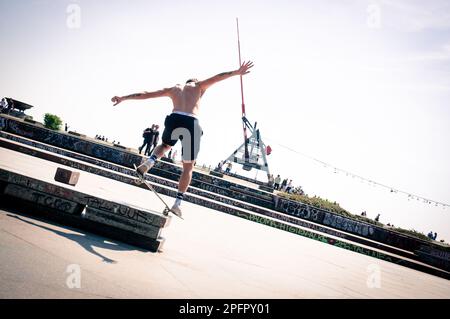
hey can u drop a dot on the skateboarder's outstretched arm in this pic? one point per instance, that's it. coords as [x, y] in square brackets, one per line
[244, 69]
[141, 96]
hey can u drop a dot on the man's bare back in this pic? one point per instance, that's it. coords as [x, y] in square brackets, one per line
[186, 98]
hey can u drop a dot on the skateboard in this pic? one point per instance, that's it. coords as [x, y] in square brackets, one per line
[167, 209]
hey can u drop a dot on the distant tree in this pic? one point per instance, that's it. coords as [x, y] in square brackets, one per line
[52, 121]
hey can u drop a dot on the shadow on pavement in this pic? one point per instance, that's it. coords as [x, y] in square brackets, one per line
[87, 241]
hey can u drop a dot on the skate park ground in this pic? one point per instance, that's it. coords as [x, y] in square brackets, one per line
[207, 255]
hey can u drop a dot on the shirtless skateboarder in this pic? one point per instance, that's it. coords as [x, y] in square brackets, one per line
[181, 124]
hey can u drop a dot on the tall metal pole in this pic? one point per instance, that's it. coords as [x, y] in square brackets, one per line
[242, 96]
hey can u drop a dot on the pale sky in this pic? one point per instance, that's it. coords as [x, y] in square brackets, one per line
[362, 85]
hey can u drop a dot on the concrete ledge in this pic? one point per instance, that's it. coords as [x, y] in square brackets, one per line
[30, 121]
[77, 143]
[249, 192]
[360, 228]
[144, 216]
[247, 179]
[166, 159]
[128, 224]
[214, 173]
[40, 198]
[77, 134]
[133, 226]
[266, 188]
[38, 124]
[31, 209]
[440, 259]
[218, 186]
[253, 195]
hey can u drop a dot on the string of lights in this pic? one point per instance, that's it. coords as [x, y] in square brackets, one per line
[337, 170]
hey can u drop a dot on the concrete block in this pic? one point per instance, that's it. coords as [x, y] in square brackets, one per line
[66, 176]
[114, 220]
[129, 225]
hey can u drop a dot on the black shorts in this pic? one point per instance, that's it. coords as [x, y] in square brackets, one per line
[185, 128]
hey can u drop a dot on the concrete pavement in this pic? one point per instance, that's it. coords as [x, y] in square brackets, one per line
[207, 255]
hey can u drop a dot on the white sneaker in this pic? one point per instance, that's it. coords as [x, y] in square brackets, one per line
[176, 210]
[144, 168]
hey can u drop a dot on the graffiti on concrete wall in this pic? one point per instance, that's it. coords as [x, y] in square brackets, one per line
[300, 210]
[209, 179]
[59, 151]
[121, 222]
[218, 189]
[40, 198]
[326, 218]
[124, 211]
[348, 225]
[83, 199]
[72, 143]
[445, 255]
